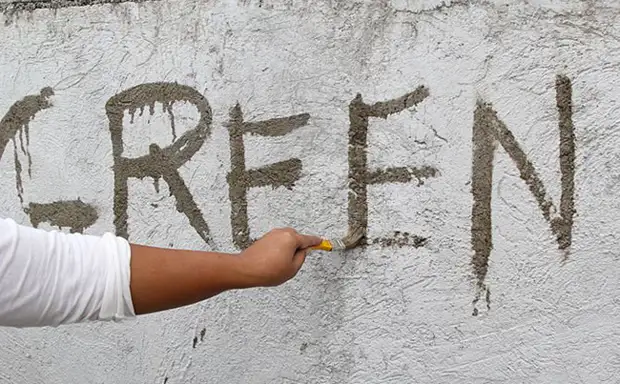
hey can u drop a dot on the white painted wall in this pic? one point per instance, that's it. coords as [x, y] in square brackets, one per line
[377, 315]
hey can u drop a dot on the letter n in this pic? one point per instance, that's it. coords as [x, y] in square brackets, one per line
[488, 130]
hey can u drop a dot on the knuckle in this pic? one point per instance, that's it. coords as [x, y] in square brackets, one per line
[290, 237]
[285, 235]
[289, 230]
[288, 233]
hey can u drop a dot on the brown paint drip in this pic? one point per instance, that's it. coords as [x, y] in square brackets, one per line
[401, 175]
[359, 175]
[16, 121]
[18, 174]
[237, 180]
[160, 162]
[401, 239]
[281, 174]
[482, 183]
[488, 129]
[563, 226]
[240, 180]
[276, 127]
[73, 214]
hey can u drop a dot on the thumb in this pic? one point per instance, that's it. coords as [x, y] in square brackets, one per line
[299, 258]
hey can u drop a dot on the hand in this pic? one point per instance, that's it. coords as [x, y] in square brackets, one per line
[275, 258]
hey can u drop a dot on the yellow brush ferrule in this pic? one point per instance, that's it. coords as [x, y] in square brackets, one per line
[324, 246]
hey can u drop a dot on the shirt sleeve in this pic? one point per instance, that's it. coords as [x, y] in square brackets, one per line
[53, 278]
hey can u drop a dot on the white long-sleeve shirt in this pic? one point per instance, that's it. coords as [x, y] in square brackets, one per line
[53, 278]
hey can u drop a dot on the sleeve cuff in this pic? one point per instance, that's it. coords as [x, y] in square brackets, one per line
[117, 304]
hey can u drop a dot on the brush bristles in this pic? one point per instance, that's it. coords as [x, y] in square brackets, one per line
[351, 240]
[337, 245]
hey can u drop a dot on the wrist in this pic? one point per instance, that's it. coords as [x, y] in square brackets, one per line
[240, 276]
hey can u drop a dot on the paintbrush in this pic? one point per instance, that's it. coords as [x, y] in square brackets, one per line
[351, 240]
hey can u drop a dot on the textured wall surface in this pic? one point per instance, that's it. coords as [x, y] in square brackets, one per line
[477, 141]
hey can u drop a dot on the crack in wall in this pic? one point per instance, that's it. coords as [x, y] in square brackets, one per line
[443, 6]
[12, 8]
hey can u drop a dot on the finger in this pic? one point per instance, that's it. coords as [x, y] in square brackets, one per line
[299, 258]
[307, 241]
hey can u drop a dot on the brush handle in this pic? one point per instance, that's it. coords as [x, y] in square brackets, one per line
[324, 246]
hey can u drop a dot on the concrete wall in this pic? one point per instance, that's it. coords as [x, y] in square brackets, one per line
[476, 140]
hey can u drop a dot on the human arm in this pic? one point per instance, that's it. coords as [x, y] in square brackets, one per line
[162, 279]
[54, 278]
